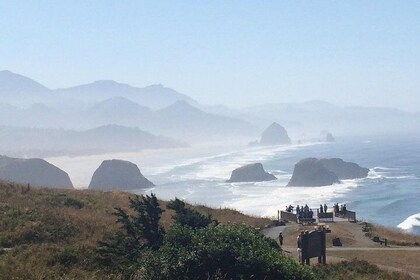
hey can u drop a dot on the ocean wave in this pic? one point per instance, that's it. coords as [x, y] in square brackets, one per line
[411, 224]
[389, 173]
[381, 168]
[219, 167]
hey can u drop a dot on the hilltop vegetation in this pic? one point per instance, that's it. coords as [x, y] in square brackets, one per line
[53, 232]
[71, 234]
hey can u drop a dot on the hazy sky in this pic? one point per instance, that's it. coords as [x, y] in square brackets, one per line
[237, 53]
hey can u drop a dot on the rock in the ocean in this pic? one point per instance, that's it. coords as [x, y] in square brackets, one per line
[323, 172]
[344, 170]
[118, 174]
[253, 143]
[275, 134]
[329, 138]
[311, 172]
[251, 173]
[36, 172]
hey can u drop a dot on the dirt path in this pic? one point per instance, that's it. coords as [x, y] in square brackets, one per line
[355, 245]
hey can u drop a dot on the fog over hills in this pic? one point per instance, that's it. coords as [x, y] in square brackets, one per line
[28, 142]
[309, 118]
[65, 118]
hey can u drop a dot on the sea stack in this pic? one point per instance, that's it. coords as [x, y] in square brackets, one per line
[329, 138]
[251, 173]
[35, 172]
[275, 134]
[118, 174]
[323, 172]
[310, 172]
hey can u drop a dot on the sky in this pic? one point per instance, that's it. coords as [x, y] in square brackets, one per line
[238, 53]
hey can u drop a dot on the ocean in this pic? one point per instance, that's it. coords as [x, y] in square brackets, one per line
[389, 195]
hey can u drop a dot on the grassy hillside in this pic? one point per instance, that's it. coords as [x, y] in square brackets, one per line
[40, 226]
[51, 233]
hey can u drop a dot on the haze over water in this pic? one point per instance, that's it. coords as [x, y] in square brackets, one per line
[388, 196]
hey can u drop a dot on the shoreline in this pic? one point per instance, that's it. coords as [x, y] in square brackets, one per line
[205, 167]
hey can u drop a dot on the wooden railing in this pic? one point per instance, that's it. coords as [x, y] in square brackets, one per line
[350, 215]
[288, 216]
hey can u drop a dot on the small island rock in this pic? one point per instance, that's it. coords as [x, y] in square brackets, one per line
[310, 172]
[323, 172]
[118, 174]
[275, 134]
[251, 173]
[35, 171]
[329, 138]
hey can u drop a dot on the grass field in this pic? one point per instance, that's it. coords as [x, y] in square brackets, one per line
[51, 233]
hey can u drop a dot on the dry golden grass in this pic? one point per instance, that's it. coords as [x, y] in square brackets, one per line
[38, 224]
[395, 236]
[358, 246]
[230, 216]
[393, 260]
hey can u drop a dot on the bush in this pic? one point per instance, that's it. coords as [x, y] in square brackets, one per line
[49, 229]
[189, 217]
[62, 200]
[222, 252]
[191, 249]
[66, 257]
[138, 233]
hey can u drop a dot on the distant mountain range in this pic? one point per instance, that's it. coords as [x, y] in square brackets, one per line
[163, 111]
[155, 108]
[154, 96]
[20, 90]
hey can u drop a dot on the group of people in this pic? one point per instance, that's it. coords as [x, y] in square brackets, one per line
[304, 212]
[301, 211]
[323, 209]
[340, 209]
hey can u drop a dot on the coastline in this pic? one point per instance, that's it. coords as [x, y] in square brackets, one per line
[197, 174]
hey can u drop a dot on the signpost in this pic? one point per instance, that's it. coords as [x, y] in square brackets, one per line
[314, 245]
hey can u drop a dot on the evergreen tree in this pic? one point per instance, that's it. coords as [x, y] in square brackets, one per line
[140, 231]
[189, 217]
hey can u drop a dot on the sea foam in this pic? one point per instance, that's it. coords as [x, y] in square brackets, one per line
[411, 224]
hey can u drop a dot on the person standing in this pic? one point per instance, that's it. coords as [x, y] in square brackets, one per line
[325, 208]
[281, 239]
[299, 246]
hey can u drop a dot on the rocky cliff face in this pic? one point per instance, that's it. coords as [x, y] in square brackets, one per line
[251, 173]
[36, 172]
[275, 134]
[323, 172]
[310, 172]
[344, 170]
[118, 174]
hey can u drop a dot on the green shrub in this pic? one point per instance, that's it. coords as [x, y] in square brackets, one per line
[190, 249]
[48, 228]
[66, 257]
[63, 200]
[221, 252]
[139, 232]
[189, 217]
